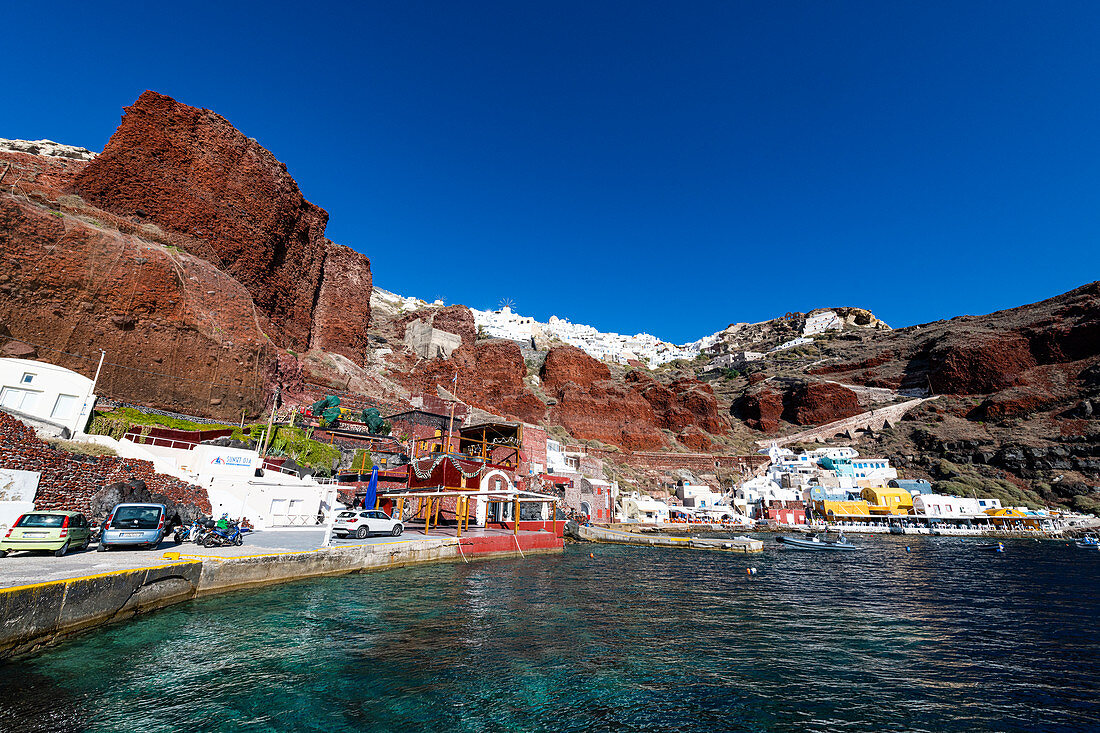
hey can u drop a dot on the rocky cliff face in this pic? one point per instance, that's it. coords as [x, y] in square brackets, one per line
[680, 403]
[565, 364]
[631, 413]
[190, 256]
[1015, 386]
[72, 287]
[189, 171]
[801, 403]
[490, 376]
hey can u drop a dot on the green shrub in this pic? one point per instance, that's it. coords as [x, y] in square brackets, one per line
[1086, 504]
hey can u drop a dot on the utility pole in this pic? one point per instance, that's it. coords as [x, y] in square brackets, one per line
[451, 423]
[267, 435]
[91, 389]
[102, 356]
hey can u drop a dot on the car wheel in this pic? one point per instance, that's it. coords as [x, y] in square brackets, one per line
[361, 533]
[102, 547]
[87, 541]
[397, 530]
[3, 553]
[60, 551]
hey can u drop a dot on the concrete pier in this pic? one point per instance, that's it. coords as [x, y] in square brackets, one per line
[603, 534]
[34, 615]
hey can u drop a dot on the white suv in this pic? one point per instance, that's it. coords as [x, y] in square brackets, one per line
[362, 522]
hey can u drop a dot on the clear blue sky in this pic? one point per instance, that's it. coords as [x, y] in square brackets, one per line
[668, 167]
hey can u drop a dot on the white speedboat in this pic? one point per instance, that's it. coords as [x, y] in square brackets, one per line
[813, 542]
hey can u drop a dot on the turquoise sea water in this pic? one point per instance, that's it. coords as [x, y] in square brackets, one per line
[944, 638]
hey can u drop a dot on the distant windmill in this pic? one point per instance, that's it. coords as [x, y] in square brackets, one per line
[507, 303]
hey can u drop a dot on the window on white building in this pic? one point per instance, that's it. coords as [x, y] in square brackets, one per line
[64, 407]
[24, 400]
[28, 378]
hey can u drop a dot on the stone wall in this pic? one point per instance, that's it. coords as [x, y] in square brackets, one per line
[69, 481]
[696, 462]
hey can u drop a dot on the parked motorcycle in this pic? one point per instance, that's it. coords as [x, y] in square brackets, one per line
[219, 536]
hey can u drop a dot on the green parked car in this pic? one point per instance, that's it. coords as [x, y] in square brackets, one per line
[55, 532]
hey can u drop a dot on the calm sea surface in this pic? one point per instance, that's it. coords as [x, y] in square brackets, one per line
[943, 638]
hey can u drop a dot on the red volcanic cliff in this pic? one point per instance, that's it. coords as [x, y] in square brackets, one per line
[342, 311]
[592, 407]
[978, 364]
[761, 409]
[189, 171]
[815, 403]
[608, 412]
[801, 403]
[570, 364]
[490, 376]
[680, 403]
[179, 334]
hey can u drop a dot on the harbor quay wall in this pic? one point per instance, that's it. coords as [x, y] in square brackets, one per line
[37, 615]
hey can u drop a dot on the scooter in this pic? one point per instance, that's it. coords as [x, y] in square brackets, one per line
[187, 532]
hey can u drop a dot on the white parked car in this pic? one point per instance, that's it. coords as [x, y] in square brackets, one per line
[362, 522]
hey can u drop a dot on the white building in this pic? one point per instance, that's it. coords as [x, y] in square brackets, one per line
[556, 460]
[637, 507]
[800, 341]
[941, 505]
[644, 347]
[698, 496]
[873, 471]
[52, 399]
[759, 491]
[821, 322]
[834, 452]
[235, 482]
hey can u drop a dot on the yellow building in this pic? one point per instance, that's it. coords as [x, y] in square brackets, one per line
[830, 508]
[896, 502]
[1006, 518]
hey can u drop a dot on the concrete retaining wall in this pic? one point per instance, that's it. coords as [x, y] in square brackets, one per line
[38, 614]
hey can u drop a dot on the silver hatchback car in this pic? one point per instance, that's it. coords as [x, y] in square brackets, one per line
[361, 522]
[134, 524]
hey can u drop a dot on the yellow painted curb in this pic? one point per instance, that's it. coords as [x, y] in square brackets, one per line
[64, 581]
[291, 552]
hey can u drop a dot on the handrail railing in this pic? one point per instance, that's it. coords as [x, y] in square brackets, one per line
[139, 439]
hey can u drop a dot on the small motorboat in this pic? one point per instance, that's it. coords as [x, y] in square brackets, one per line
[999, 547]
[813, 542]
[1088, 543]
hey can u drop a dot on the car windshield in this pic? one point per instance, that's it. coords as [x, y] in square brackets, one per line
[136, 517]
[41, 520]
